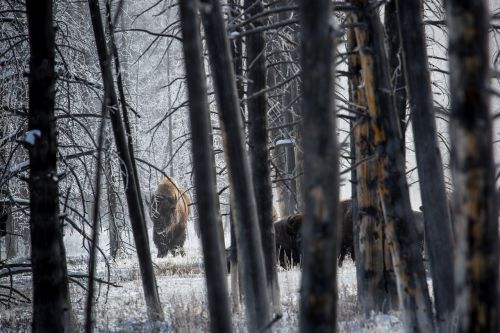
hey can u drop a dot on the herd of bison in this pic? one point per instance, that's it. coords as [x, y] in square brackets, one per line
[169, 211]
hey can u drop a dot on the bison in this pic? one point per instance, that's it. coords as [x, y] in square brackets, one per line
[169, 211]
[289, 239]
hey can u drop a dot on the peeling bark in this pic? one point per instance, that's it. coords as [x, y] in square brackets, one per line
[400, 225]
[368, 220]
[474, 204]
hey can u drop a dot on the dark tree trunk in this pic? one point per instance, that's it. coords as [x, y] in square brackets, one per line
[111, 196]
[318, 304]
[11, 238]
[438, 231]
[396, 72]
[247, 231]
[51, 302]
[413, 293]
[132, 191]
[121, 95]
[237, 53]
[284, 154]
[259, 153]
[233, 262]
[204, 171]
[368, 219]
[474, 205]
[94, 241]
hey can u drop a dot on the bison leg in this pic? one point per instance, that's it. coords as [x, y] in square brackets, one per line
[176, 239]
[160, 240]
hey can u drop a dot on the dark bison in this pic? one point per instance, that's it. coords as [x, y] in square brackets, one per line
[289, 239]
[288, 236]
[169, 211]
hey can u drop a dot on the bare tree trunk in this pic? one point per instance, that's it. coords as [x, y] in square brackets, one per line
[51, 302]
[474, 204]
[204, 171]
[318, 304]
[233, 263]
[94, 240]
[132, 190]
[111, 196]
[11, 239]
[237, 54]
[438, 231]
[396, 67]
[247, 230]
[413, 292]
[368, 220]
[259, 153]
[298, 154]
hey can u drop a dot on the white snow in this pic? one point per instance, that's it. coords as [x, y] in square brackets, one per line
[234, 35]
[30, 136]
[19, 166]
[283, 142]
[181, 286]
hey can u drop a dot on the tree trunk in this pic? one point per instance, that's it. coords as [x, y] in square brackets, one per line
[132, 190]
[247, 230]
[259, 153]
[204, 171]
[474, 204]
[51, 302]
[111, 196]
[368, 220]
[318, 303]
[438, 231]
[396, 72]
[237, 54]
[413, 293]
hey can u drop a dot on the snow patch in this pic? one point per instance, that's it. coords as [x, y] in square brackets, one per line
[284, 142]
[19, 166]
[30, 136]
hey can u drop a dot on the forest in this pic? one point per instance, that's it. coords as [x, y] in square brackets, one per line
[250, 166]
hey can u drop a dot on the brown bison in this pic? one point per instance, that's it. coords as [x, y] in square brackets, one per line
[289, 239]
[169, 211]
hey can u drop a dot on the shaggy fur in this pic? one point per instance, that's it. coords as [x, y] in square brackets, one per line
[169, 211]
[289, 237]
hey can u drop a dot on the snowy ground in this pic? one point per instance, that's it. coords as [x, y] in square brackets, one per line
[182, 291]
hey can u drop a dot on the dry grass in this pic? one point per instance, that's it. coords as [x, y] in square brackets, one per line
[182, 291]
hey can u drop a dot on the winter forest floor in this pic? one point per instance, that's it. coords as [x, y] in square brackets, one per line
[182, 292]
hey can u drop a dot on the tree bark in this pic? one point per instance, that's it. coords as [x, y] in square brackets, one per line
[438, 231]
[474, 204]
[51, 302]
[111, 196]
[396, 71]
[247, 231]
[413, 292]
[204, 171]
[368, 220]
[237, 54]
[259, 153]
[136, 211]
[318, 303]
